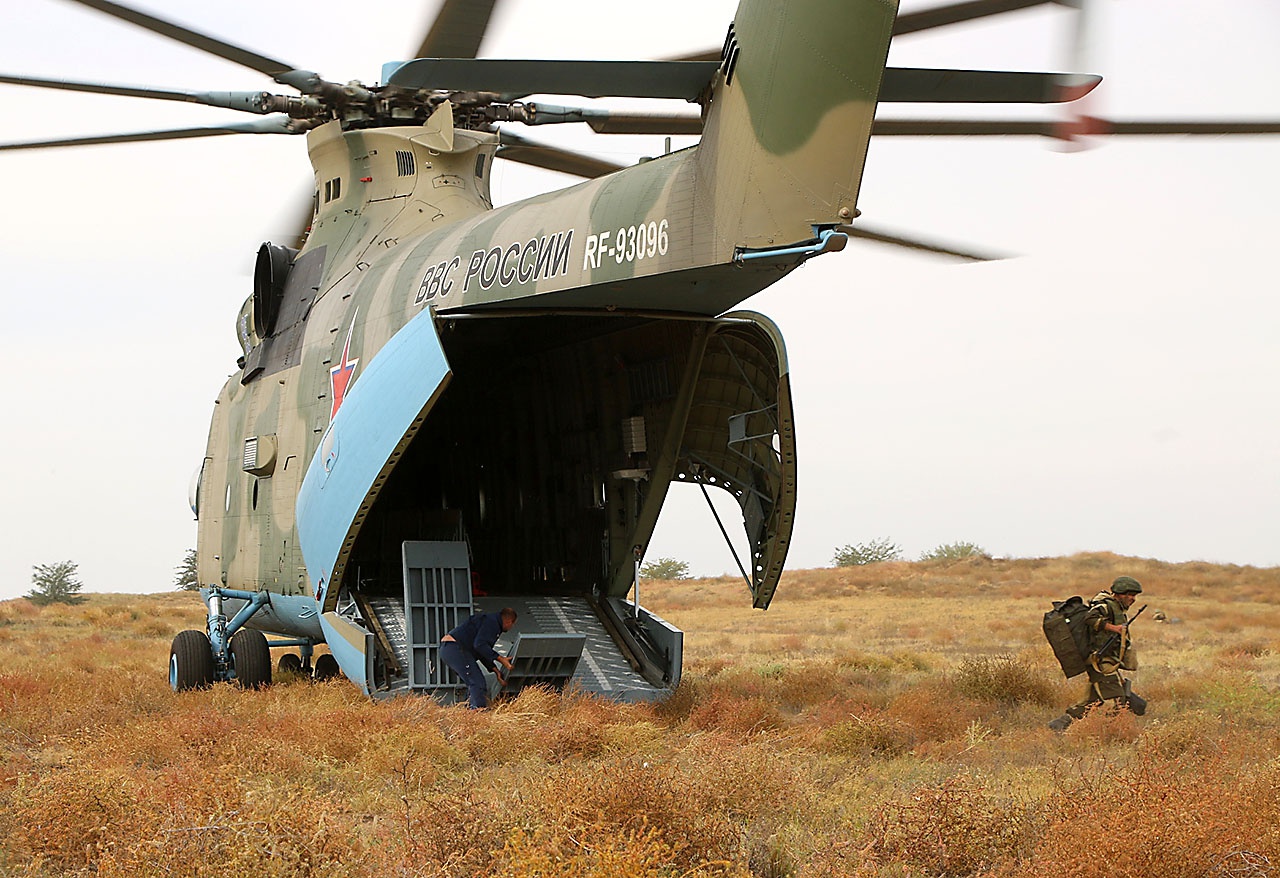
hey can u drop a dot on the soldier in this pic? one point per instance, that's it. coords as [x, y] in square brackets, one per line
[470, 645]
[1111, 654]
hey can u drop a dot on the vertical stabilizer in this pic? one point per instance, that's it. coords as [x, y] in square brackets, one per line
[790, 116]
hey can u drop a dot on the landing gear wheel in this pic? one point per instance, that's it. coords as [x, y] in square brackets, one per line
[326, 667]
[190, 661]
[251, 659]
[289, 663]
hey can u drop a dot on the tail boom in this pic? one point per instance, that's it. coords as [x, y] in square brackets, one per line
[790, 117]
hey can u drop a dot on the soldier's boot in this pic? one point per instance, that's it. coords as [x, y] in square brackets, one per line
[1060, 724]
[1137, 704]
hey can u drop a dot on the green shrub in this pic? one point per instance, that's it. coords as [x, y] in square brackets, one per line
[1002, 678]
[954, 552]
[185, 577]
[665, 568]
[873, 552]
[955, 828]
[56, 584]
[873, 735]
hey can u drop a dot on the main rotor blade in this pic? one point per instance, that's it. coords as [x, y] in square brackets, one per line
[688, 79]
[286, 74]
[962, 127]
[267, 125]
[1063, 128]
[705, 55]
[1107, 127]
[886, 237]
[925, 19]
[590, 79]
[248, 101]
[922, 85]
[610, 121]
[527, 152]
[953, 13]
[458, 29]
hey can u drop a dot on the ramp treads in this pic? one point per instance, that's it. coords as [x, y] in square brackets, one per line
[602, 668]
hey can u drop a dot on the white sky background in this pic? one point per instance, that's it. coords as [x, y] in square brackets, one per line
[1111, 388]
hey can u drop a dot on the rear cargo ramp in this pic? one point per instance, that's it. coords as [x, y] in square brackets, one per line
[603, 668]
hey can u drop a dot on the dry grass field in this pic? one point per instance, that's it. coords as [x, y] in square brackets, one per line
[878, 721]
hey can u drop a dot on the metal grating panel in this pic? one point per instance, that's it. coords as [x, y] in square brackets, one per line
[633, 436]
[390, 615]
[547, 659]
[437, 598]
[650, 381]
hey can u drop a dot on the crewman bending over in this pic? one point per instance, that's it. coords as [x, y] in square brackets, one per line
[470, 645]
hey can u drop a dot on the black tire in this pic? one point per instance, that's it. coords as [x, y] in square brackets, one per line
[326, 668]
[190, 661]
[290, 663]
[251, 659]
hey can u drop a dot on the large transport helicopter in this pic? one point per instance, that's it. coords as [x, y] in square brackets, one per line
[441, 406]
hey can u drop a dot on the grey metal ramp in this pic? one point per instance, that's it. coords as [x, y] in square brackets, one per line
[602, 669]
[544, 659]
[389, 613]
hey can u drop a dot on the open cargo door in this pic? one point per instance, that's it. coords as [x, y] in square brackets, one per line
[740, 437]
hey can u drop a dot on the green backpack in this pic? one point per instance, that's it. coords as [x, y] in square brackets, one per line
[1066, 632]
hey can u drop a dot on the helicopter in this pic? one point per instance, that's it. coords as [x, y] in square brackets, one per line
[431, 388]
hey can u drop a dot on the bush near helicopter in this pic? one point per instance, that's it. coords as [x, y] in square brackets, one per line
[510, 392]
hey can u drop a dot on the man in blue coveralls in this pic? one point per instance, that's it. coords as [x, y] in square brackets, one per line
[470, 645]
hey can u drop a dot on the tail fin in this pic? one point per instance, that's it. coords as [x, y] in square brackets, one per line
[790, 117]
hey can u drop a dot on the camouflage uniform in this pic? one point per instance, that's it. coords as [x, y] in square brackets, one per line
[1107, 682]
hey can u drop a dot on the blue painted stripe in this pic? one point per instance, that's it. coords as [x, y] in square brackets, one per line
[377, 413]
[350, 658]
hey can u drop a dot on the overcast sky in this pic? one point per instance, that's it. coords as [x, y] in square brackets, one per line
[1112, 387]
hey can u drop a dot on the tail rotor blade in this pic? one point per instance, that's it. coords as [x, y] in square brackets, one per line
[883, 236]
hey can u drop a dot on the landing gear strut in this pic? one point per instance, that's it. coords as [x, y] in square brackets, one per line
[226, 650]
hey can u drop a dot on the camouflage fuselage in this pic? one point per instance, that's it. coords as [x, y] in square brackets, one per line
[563, 318]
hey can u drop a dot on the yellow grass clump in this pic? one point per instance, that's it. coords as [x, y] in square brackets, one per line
[881, 722]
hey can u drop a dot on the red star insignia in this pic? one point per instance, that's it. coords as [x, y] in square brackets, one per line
[340, 375]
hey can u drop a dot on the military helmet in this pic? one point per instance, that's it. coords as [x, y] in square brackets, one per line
[1126, 585]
